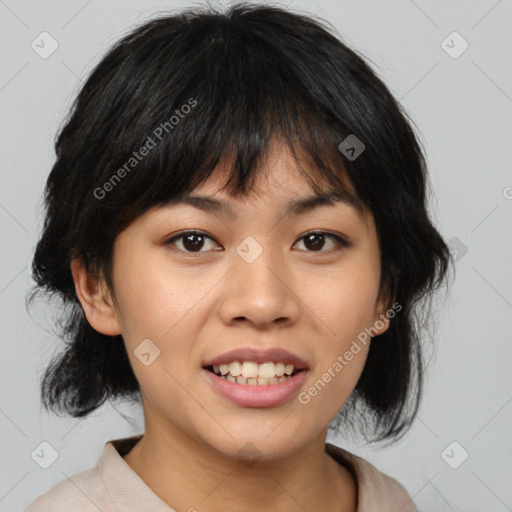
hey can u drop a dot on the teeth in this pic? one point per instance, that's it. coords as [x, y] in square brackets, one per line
[253, 374]
[235, 369]
[250, 369]
[267, 370]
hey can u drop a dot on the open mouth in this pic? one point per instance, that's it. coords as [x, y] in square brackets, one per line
[251, 380]
[254, 374]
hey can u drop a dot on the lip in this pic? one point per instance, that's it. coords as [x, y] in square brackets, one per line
[245, 395]
[259, 356]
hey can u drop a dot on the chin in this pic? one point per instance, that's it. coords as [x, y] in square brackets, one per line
[250, 444]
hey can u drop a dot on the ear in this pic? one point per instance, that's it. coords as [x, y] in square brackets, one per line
[381, 319]
[96, 300]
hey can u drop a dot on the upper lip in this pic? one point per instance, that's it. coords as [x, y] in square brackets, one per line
[259, 356]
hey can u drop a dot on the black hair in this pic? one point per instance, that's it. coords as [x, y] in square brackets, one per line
[201, 85]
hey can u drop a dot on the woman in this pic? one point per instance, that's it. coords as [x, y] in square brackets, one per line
[237, 223]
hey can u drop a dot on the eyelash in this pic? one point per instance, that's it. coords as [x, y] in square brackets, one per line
[341, 242]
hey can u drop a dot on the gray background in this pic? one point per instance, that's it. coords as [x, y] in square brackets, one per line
[462, 107]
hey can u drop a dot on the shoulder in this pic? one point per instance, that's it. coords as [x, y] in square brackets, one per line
[82, 492]
[105, 486]
[376, 491]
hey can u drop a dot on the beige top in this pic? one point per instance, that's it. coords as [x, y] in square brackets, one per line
[113, 486]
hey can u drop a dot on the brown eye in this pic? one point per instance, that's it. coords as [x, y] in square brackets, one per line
[191, 241]
[316, 241]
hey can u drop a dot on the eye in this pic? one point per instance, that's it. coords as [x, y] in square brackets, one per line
[314, 241]
[191, 241]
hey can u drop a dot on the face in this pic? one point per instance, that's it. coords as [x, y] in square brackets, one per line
[257, 282]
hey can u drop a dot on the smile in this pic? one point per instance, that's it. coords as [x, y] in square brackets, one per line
[254, 374]
[256, 393]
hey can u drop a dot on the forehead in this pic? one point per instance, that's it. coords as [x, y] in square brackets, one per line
[279, 182]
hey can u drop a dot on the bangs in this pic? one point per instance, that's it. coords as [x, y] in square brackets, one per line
[228, 101]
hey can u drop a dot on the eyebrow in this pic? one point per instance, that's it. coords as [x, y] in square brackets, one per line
[295, 206]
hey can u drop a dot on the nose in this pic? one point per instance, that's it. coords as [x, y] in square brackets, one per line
[260, 293]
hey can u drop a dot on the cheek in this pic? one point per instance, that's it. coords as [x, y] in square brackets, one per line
[152, 295]
[345, 302]
[330, 387]
[345, 299]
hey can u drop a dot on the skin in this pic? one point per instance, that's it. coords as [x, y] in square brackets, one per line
[197, 305]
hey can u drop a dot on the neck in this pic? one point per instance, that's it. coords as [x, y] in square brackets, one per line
[189, 475]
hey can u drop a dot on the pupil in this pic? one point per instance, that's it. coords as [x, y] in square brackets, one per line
[189, 244]
[314, 245]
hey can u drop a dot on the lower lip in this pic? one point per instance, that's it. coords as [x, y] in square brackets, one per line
[270, 395]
